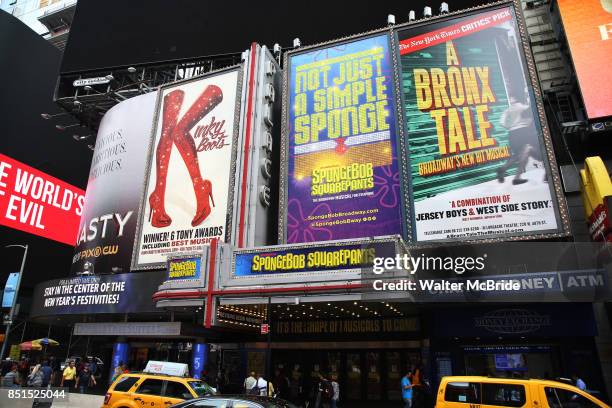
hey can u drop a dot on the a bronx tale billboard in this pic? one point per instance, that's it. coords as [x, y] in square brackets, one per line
[477, 153]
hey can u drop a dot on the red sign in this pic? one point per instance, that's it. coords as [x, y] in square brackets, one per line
[34, 202]
[588, 26]
[599, 222]
[265, 328]
[454, 31]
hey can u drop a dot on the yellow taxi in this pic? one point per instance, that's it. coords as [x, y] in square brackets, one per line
[484, 392]
[153, 390]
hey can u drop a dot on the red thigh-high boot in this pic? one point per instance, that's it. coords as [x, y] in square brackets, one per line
[172, 105]
[210, 98]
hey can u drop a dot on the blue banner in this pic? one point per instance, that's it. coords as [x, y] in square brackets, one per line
[10, 290]
[199, 359]
[122, 293]
[120, 355]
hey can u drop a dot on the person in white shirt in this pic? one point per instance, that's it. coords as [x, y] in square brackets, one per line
[262, 385]
[249, 382]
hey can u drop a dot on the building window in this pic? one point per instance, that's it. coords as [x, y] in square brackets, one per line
[505, 395]
[462, 392]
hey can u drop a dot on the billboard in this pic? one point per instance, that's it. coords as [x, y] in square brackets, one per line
[190, 179]
[476, 153]
[37, 203]
[322, 258]
[106, 233]
[122, 293]
[340, 177]
[184, 268]
[588, 27]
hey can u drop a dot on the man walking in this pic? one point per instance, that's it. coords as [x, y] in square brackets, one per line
[85, 379]
[407, 390]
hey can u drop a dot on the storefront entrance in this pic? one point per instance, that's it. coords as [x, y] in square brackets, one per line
[363, 375]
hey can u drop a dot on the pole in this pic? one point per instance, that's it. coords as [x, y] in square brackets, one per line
[10, 322]
[268, 350]
[69, 343]
[48, 335]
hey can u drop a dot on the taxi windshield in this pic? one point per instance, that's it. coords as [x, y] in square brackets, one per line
[201, 388]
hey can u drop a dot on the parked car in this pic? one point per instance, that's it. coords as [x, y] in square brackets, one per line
[235, 401]
[153, 390]
[484, 392]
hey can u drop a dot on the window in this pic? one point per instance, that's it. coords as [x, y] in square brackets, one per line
[560, 398]
[201, 388]
[177, 390]
[503, 395]
[462, 392]
[212, 403]
[150, 387]
[245, 404]
[125, 383]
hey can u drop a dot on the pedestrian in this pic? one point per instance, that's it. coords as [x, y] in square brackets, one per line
[261, 385]
[325, 393]
[7, 365]
[580, 384]
[117, 372]
[407, 390]
[46, 373]
[336, 389]
[282, 384]
[69, 376]
[24, 370]
[35, 379]
[85, 379]
[54, 364]
[249, 383]
[11, 379]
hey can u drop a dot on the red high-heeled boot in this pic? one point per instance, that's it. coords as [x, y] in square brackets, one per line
[210, 98]
[157, 211]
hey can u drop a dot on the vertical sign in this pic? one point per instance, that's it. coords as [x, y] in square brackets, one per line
[10, 289]
[341, 172]
[189, 186]
[120, 356]
[477, 165]
[199, 359]
[588, 27]
[106, 234]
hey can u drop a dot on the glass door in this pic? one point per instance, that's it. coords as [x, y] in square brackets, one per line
[373, 378]
[353, 376]
[394, 375]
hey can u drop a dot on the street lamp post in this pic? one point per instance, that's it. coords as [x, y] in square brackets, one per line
[10, 322]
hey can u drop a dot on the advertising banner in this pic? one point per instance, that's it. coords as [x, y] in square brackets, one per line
[476, 161]
[8, 296]
[588, 27]
[189, 188]
[123, 293]
[37, 203]
[341, 178]
[184, 268]
[106, 233]
[313, 259]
